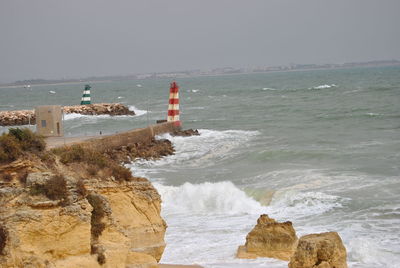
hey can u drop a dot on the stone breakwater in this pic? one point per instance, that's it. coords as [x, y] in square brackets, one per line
[24, 117]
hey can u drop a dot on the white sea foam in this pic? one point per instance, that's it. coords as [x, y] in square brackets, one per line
[72, 116]
[294, 204]
[137, 111]
[205, 149]
[369, 253]
[373, 114]
[208, 221]
[268, 88]
[323, 86]
[207, 198]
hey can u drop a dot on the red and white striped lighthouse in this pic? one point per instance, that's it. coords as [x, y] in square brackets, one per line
[173, 106]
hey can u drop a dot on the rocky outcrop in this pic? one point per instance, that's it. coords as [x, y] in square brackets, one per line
[99, 108]
[17, 118]
[269, 239]
[155, 149]
[185, 133]
[24, 117]
[63, 213]
[325, 250]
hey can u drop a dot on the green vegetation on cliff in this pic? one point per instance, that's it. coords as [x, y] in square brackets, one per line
[19, 141]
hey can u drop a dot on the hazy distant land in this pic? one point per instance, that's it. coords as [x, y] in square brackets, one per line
[212, 72]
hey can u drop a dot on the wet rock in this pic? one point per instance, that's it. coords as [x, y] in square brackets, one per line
[269, 238]
[186, 133]
[325, 250]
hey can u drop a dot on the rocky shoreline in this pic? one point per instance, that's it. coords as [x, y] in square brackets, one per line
[25, 117]
[77, 207]
[278, 240]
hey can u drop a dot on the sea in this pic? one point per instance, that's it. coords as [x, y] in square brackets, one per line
[319, 148]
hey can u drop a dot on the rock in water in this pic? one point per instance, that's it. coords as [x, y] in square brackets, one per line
[186, 133]
[269, 238]
[324, 250]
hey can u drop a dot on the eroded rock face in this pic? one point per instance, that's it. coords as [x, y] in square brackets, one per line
[269, 239]
[100, 223]
[325, 250]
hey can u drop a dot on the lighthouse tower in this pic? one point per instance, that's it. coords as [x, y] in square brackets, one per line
[173, 106]
[86, 95]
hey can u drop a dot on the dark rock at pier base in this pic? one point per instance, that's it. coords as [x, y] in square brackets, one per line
[186, 133]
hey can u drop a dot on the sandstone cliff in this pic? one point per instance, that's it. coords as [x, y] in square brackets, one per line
[269, 239]
[73, 207]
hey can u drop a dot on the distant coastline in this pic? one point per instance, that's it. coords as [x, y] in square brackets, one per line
[197, 73]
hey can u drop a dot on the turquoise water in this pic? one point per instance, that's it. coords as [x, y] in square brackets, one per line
[323, 145]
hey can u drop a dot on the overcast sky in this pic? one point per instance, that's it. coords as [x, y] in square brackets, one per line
[79, 38]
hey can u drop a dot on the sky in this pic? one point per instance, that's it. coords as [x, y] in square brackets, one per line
[53, 39]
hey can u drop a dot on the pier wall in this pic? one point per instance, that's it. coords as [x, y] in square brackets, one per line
[141, 135]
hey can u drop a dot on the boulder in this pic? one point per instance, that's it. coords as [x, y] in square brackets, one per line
[186, 133]
[324, 250]
[269, 238]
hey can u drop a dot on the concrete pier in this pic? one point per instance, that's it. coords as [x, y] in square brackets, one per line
[106, 142]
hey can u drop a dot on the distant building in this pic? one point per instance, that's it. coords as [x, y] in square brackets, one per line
[49, 120]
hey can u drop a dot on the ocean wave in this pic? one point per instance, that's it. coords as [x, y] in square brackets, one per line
[137, 111]
[268, 88]
[323, 86]
[294, 204]
[369, 253]
[72, 116]
[373, 114]
[207, 198]
[210, 146]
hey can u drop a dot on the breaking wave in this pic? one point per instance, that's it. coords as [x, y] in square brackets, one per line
[207, 198]
[137, 111]
[210, 146]
[323, 86]
[294, 204]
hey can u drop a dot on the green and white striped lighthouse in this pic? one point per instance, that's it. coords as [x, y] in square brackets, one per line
[86, 95]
